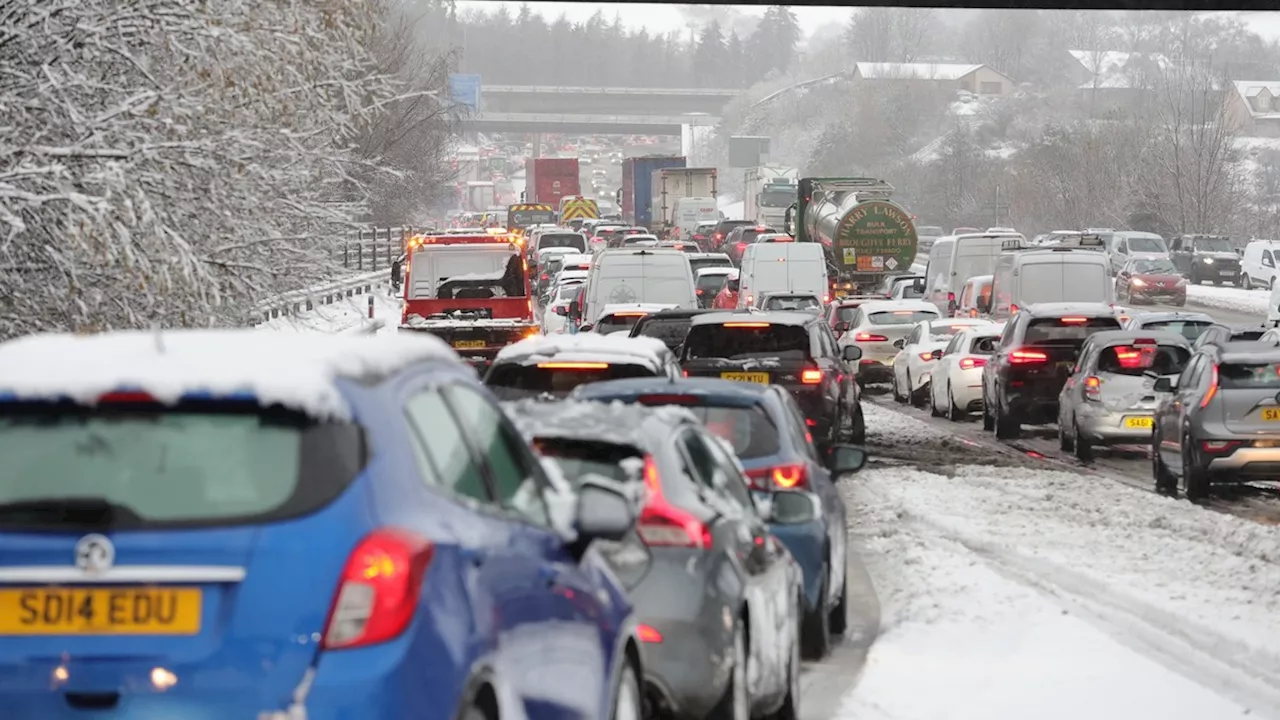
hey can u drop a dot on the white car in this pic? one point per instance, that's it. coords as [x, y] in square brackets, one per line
[555, 317]
[956, 387]
[875, 326]
[918, 352]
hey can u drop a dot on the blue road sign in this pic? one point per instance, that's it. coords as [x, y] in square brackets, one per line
[465, 90]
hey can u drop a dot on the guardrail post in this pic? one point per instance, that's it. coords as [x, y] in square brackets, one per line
[346, 254]
[360, 255]
[371, 307]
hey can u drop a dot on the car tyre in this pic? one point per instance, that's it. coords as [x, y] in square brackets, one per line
[859, 436]
[839, 620]
[815, 634]
[1195, 479]
[1006, 428]
[916, 397]
[735, 705]
[627, 702]
[898, 397]
[954, 412]
[934, 410]
[1084, 448]
[988, 420]
[1166, 483]
[790, 709]
[1247, 283]
[1065, 441]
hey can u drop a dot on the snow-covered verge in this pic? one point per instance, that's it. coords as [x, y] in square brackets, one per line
[1013, 593]
[1229, 298]
[342, 316]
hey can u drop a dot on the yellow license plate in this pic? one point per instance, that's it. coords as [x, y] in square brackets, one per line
[842, 293]
[1140, 422]
[469, 344]
[1271, 414]
[100, 611]
[755, 377]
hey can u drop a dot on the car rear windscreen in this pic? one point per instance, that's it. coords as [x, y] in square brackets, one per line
[1246, 335]
[566, 240]
[615, 323]
[747, 340]
[1066, 330]
[671, 331]
[511, 381]
[140, 465]
[749, 430]
[580, 457]
[1189, 329]
[984, 345]
[901, 317]
[792, 302]
[711, 284]
[1137, 360]
[1249, 376]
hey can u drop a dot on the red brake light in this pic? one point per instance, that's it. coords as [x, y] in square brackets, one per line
[785, 477]
[741, 245]
[648, 634]
[811, 377]
[1220, 446]
[1213, 388]
[926, 356]
[1013, 309]
[1093, 388]
[379, 589]
[667, 400]
[126, 397]
[700, 291]
[951, 297]
[970, 363]
[1023, 357]
[664, 525]
[869, 337]
[1073, 320]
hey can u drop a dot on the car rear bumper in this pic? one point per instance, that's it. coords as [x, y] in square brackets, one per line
[1246, 463]
[1106, 426]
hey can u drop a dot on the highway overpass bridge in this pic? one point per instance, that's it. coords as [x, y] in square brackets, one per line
[589, 110]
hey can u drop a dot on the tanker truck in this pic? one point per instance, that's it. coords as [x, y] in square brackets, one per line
[866, 236]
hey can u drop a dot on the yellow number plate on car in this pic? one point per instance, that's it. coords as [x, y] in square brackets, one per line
[1140, 422]
[755, 377]
[1271, 413]
[100, 611]
[469, 344]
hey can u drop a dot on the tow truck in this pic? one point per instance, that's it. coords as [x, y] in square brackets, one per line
[470, 290]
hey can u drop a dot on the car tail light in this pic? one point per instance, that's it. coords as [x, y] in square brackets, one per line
[379, 589]
[1093, 388]
[951, 297]
[869, 337]
[664, 525]
[785, 477]
[741, 246]
[1213, 387]
[546, 276]
[746, 325]
[126, 396]
[1073, 320]
[1027, 357]
[811, 377]
[926, 356]
[700, 291]
[573, 366]
[1013, 309]
[970, 363]
[1220, 446]
[648, 634]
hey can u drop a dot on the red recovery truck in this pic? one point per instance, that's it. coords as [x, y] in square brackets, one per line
[472, 291]
[546, 180]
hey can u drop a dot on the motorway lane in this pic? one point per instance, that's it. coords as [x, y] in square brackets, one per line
[824, 684]
[1231, 317]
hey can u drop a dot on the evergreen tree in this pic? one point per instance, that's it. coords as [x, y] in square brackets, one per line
[709, 58]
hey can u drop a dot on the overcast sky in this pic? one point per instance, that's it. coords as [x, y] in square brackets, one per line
[664, 18]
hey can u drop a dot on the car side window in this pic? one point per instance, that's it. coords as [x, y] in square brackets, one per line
[436, 429]
[511, 465]
[1267, 259]
[956, 342]
[701, 463]
[1190, 376]
[1006, 338]
[798, 429]
[735, 484]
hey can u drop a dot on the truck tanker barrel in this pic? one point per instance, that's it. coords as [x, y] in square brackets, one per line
[865, 234]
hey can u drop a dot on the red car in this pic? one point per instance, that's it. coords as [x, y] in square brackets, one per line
[1152, 280]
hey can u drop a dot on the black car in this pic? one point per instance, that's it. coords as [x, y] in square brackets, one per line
[1206, 257]
[795, 350]
[1037, 352]
[1221, 334]
[706, 577]
[669, 326]
[722, 230]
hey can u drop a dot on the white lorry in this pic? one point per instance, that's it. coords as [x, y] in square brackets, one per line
[768, 191]
[681, 198]
[480, 196]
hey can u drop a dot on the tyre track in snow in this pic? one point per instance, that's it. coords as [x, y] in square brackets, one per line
[1038, 447]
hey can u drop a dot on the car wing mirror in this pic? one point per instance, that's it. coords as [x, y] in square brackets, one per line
[787, 507]
[851, 353]
[845, 459]
[900, 343]
[936, 354]
[1165, 384]
[561, 311]
[586, 327]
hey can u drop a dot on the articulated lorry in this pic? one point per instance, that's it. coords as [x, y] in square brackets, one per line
[546, 180]
[636, 195]
[866, 235]
[768, 191]
[680, 199]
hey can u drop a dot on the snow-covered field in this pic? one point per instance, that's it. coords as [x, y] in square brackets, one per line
[1229, 298]
[1016, 593]
[346, 314]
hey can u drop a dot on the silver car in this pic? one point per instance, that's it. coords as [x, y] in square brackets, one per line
[1221, 421]
[1110, 398]
[878, 329]
[1187, 324]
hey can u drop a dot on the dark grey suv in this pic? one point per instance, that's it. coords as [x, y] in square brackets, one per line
[1220, 422]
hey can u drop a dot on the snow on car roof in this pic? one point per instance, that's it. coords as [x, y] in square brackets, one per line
[717, 270]
[636, 307]
[773, 317]
[296, 370]
[876, 306]
[612, 422]
[587, 347]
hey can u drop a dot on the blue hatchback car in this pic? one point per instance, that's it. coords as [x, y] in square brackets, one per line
[766, 428]
[244, 524]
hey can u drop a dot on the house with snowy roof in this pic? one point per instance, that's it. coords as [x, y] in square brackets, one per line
[1254, 107]
[982, 80]
[1110, 79]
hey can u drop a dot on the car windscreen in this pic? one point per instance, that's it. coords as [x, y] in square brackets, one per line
[778, 197]
[511, 381]
[791, 302]
[749, 430]
[1138, 359]
[1212, 245]
[1154, 266]
[568, 291]
[1047, 282]
[944, 329]
[1249, 375]
[141, 465]
[746, 341]
[670, 330]
[928, 231]
[1147, 245]
[1070, 331]
[615, 323]
[1189, 329]
[525, 218]
[901, 317]
[566, 240]
[699, 263]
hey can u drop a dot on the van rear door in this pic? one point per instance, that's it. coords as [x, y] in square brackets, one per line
[1065, 279]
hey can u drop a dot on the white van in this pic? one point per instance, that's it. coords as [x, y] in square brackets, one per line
[937, 272]
[689, 212]
[976, 255]
[781, 267]
[1127, 245]
[1258, 265]
[1028, 277]
[625, 276]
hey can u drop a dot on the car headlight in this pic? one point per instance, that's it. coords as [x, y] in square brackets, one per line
[1137, 282]
[1208, 261]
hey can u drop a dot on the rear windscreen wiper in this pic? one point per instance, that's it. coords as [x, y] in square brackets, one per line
[90, 513]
